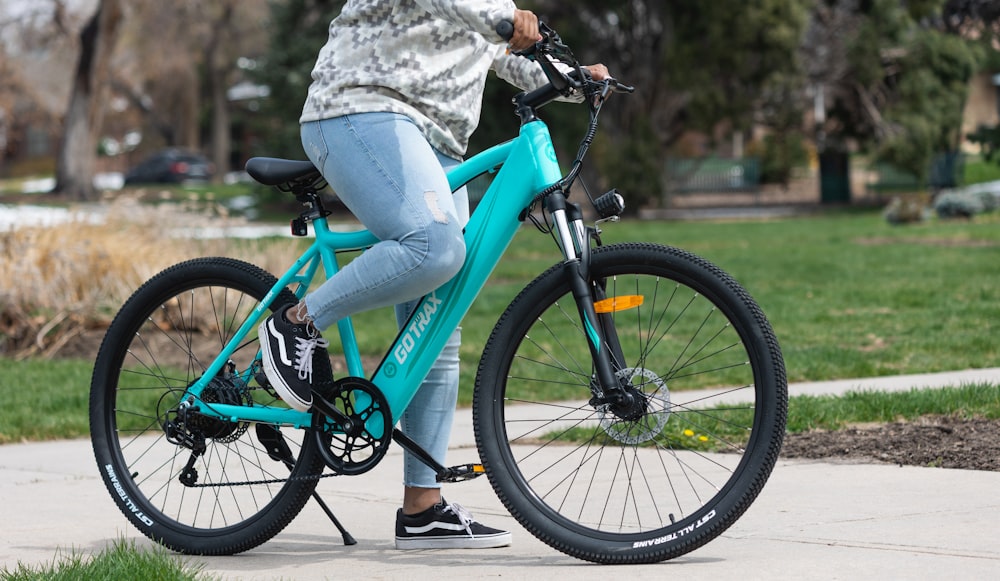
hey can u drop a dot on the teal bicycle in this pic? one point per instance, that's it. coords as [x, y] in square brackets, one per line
[581, 419]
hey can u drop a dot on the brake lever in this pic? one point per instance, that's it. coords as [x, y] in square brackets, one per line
[604, 88]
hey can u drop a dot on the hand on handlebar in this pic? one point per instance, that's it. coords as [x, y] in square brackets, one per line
[526, 32]
[598, 72]
[599, 75]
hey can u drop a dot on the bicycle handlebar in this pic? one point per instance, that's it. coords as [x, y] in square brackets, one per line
[505, 29]
[547, 52]
[551, 45]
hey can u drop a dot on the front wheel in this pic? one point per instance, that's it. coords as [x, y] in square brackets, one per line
[615, 487]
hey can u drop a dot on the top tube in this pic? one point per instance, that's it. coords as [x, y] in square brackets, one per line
[485, 161]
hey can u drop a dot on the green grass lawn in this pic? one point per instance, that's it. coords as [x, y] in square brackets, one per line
[847, 294]
[45, 399]
[851, 296]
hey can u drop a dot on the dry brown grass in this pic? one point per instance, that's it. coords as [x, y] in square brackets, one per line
[57, 282]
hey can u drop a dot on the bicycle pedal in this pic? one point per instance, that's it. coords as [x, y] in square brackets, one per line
[461, 473]
[262, 379]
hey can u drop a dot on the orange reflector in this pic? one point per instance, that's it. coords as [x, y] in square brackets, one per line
[615, 304]
[478, 468]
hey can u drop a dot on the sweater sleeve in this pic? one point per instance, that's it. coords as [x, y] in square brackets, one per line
[481, 16]
[518, 71]
[526, 74]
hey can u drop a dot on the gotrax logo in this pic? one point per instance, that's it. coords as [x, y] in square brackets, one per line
[418, 324]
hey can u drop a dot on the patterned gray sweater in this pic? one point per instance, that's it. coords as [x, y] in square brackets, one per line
[427, 59]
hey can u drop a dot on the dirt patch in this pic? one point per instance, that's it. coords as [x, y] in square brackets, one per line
[938, 441]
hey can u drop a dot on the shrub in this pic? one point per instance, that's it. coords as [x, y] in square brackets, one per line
[965, 204]
[905, 210]
[60, 281]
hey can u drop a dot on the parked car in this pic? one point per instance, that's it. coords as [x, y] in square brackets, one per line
[171, 166]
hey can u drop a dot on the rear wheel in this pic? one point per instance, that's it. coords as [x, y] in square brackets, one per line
[614, 487]
[192, 482]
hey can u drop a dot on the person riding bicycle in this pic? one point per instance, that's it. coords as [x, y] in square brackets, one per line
[397, 91]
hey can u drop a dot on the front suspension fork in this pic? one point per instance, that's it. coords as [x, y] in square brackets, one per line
[602, 336]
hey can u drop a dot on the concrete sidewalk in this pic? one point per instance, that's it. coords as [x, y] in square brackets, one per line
[813, 520]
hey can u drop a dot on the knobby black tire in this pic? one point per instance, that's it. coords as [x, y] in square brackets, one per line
[160, 342]
[611, 490]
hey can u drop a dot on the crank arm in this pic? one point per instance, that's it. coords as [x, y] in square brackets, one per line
[443, 474]
[340, 418]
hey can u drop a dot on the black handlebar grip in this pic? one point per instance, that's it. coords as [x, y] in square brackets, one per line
[505, 28]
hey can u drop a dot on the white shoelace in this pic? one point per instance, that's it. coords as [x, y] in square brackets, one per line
[304, 349]
[464, 516]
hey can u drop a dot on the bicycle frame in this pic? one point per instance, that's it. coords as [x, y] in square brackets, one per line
[527, 165]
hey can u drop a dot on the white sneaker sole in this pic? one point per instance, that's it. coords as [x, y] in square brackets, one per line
[454, 542]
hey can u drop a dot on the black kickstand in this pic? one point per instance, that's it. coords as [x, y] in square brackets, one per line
[277, 449]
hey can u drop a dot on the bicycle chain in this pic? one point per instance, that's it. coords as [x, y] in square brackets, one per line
[258, 482]
[245, 391]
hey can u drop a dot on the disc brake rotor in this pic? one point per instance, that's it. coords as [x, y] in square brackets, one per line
[652, 422]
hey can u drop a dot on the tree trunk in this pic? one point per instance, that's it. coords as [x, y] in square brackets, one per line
[218, 85]
[75, 166]
[221, 138]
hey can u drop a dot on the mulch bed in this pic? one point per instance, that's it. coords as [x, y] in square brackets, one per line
[938, 441]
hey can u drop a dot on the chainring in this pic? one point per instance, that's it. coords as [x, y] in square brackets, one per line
[358, 446]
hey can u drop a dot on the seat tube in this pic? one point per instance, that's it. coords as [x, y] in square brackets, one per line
[345, 326]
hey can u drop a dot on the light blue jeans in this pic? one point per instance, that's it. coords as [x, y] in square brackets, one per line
[394, 182]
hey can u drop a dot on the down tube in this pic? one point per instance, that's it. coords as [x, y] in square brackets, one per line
[530, 168]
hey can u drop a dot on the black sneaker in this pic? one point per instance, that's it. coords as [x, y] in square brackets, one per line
[287, 356]
[446, 526]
